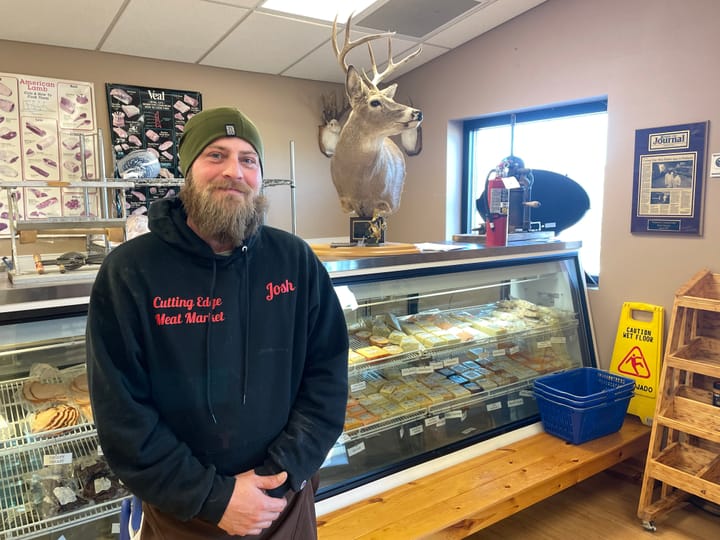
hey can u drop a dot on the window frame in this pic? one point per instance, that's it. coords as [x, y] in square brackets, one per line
[467, 212]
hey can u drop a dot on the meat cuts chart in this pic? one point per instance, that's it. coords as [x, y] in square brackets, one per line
[152, 119]
[46, 125]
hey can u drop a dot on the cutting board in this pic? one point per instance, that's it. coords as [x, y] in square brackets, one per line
[326, 252]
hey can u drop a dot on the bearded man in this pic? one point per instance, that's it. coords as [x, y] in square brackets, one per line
[217, 353]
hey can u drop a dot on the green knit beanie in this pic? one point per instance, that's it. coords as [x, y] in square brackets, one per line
[212, 124]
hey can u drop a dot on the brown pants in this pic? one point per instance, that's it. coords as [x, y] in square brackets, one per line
[296, 522]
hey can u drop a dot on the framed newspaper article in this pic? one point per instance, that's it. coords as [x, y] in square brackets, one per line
[668, 179]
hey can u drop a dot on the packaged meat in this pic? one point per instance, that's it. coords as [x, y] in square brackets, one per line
[130, 111]
[71, 167]
[67, 105]
[5, 90]
[7, 133]
[121, 95]
[46, 142]
[7, 172]
[37, 130]
[190, 100]
[181, 106]
[7, 105]
[118, 119]
[71, 144]
[8, 157]
[40, 171]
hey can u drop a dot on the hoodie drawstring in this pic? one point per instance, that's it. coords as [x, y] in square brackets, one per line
[208, 325]
[246, 337]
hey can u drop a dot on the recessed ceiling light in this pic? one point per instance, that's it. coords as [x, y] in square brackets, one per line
[325, 10]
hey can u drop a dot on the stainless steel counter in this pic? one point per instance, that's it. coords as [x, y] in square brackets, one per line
[73, 293]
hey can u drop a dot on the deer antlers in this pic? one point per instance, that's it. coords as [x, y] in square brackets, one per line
[349, 45]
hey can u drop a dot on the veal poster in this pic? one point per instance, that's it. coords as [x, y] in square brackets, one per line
[150, 118]
[668, 179]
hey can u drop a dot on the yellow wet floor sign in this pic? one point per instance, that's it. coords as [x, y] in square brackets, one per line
[638, 354]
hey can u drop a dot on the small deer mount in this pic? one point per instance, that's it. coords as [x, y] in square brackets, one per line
[367, 166]
[332, 118]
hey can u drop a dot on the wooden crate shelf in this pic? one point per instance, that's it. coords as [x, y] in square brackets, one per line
[683, 458]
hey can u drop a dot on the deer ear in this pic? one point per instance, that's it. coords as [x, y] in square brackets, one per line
[389, 92]
[354, 85]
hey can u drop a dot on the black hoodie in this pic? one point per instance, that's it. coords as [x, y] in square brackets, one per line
[204, 366]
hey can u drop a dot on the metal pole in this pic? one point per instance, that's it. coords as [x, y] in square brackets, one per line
[292, 187]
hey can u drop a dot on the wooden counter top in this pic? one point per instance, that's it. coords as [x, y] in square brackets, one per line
[465, 498]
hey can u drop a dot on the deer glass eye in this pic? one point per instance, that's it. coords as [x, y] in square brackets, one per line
[375, 103]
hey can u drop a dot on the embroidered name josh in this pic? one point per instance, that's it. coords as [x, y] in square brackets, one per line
[275, 290]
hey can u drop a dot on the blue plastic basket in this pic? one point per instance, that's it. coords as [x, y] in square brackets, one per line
[581, 424]
[580, 403]
[586, 385]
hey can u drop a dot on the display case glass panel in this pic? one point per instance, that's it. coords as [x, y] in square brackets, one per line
[442, 357]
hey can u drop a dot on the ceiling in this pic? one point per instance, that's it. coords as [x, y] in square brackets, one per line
[242, 35]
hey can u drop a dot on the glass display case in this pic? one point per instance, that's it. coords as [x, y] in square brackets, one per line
[443, 350]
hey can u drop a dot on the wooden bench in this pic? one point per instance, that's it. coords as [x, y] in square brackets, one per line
[467, 497]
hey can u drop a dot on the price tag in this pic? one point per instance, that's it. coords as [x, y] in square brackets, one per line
[498, 352]
[494, 406]
[449, 362]
[358, 387]
[100, 451]
[115, 528]
[356, 449]
[416, 430]
[437, 364]
[431, 421]
[514, 349]
[558, 339]
[544, 344]
[526, 393]
[462, 415]
[346, 297]
[424, 370]
[515, 402]
[57, 459]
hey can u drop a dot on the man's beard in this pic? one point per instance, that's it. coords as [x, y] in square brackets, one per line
[224, 219]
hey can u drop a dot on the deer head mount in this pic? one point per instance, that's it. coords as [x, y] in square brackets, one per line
[367, 167]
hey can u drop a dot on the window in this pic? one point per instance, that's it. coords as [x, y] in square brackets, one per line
[570, 140]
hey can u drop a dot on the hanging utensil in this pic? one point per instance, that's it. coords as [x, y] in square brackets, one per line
[72, 260]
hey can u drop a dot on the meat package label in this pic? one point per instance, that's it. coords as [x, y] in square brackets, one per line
[41, 123]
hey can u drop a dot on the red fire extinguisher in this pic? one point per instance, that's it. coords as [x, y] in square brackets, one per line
[497, 197]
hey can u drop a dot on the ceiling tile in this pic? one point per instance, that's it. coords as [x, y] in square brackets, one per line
[50, 22]
[180, 30]
[486, 18]
[292, 39]
[322, 64]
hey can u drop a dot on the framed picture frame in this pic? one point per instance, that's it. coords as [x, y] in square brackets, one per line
[668, 179]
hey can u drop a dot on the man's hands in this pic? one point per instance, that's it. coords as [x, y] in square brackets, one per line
[250, 510]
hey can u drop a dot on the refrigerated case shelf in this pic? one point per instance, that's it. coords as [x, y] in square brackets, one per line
[20, 517]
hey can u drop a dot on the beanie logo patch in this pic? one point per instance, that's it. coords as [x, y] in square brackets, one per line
[230, 130]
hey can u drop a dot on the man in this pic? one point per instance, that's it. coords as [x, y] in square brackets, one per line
[217, 353]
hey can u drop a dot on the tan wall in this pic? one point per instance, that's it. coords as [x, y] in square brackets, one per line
[284, 109]
[654, 59]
